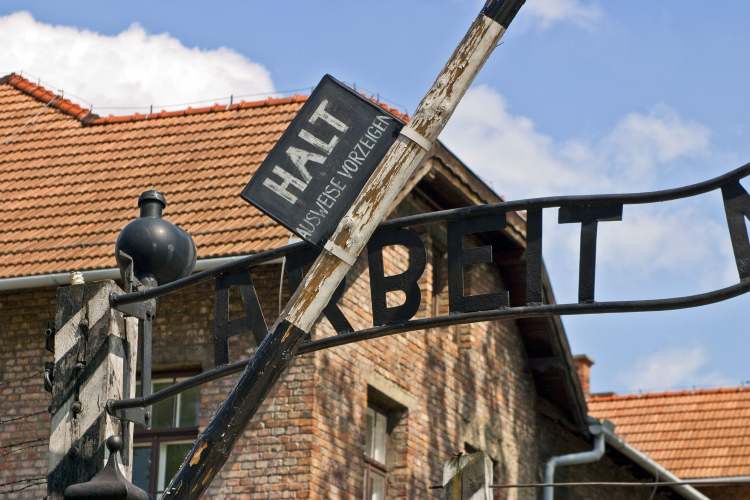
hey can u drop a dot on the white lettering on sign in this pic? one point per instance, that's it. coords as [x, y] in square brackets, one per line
[307, 136]
[331, 193]
[281, 189]
[300, 157]
[327, 117]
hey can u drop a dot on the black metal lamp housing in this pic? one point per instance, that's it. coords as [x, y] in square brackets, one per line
[159, 249]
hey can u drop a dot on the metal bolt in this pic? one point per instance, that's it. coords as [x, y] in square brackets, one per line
[76, 407]
[73, 451]
[147, 416]
[84, 324]
[80, 365]
[286, 356]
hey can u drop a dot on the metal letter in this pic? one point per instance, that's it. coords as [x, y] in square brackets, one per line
[408, 281]
[295, 263]
[458, 258]
[737, 207]
[253, 320]
[588, 217]
[534, 257]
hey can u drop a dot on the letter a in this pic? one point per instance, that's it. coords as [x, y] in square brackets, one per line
[299, 157]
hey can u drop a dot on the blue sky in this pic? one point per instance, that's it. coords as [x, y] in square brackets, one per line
[582, 97]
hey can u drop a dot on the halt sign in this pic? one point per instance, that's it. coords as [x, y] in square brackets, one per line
[321, 163]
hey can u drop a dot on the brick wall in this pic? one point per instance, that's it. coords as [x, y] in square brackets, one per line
[23, 319]
[451, 389]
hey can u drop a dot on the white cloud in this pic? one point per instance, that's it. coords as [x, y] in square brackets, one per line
[660, 238]
[640, 142]
[523, 162]
[683, 238]
[133, 68]
[508, 150]
[671, 369]
[547, 12]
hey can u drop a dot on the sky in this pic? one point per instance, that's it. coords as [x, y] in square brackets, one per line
[582, 97]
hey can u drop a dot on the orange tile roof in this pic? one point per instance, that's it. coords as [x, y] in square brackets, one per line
[70, 180]
[696, 434]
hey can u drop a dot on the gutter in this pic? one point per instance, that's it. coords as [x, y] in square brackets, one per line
[60, 279]
[586, 457]
[651, 466]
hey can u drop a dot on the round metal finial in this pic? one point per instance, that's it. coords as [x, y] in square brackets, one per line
[152, 203]
[159, 249]
[114, 444]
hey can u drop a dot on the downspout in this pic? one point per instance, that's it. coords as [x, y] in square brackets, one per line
[585, 457]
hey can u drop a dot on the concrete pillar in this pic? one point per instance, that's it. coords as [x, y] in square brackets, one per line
[95, 356]
[468, 477]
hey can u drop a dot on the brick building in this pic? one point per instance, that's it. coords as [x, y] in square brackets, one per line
[344, 423]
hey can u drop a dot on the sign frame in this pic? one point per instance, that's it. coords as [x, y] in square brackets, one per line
[322, 161]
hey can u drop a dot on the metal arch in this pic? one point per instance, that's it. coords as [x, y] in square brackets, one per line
[444, 321]
[532, 309]
[448, 215]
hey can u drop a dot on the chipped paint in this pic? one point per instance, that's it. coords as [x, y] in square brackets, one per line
[197, 455]
[389, 177]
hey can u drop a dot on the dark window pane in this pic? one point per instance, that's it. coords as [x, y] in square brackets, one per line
[171, 456]
[188, 404]
[161, 413]
[142, 466]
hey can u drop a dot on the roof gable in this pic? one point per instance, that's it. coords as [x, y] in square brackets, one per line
[693, 434]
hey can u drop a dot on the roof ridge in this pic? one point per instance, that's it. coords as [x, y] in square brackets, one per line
[86, 117]
[651, 395]
[47, 96]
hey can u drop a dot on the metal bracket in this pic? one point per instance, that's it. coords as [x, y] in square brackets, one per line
[339, 252]
[48, 377]
[145, 312]
[50, 334]
[416, 138]
[139, 416]
[132, 284]
[140, 310]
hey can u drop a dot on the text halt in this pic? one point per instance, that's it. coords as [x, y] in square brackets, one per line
[321, 163]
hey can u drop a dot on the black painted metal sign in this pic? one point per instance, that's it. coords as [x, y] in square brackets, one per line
[321, 163]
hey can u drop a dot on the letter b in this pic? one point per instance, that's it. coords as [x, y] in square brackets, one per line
[407, 282]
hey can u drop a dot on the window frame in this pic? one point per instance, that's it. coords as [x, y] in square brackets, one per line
[155, 437]
[373, 466]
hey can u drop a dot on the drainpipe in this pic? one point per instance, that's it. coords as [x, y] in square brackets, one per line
[586, 457]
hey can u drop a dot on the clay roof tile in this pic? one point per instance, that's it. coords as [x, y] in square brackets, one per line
[694, 434]
[71, 180]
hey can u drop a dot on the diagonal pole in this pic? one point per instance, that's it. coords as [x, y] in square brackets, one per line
[214, 445]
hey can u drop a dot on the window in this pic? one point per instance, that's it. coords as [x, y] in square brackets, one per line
[375, 454]
[159, 451]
